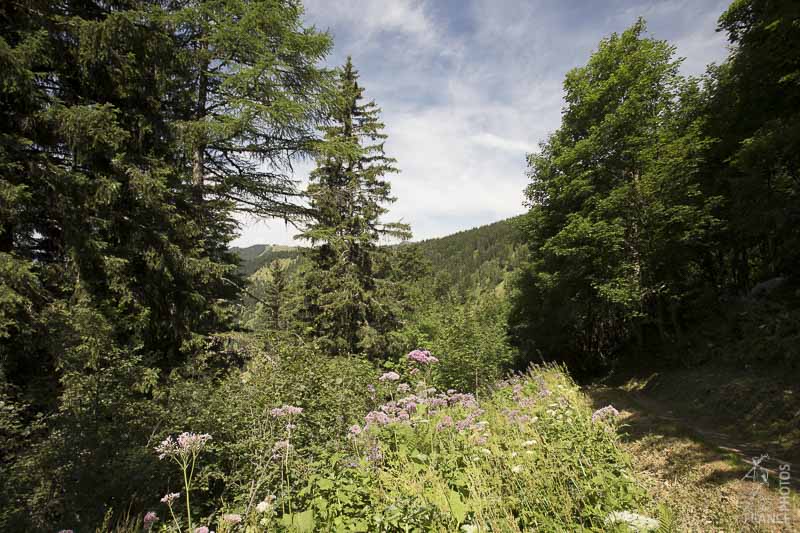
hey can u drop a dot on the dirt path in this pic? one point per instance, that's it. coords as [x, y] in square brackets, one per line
[699, 472]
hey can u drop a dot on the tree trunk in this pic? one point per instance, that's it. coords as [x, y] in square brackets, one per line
[198, 164]
[6, 238]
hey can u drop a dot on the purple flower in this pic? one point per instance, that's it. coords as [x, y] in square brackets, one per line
[422, 357]
[355, 429]
[375, 454]
[607, 412]
[149, 519]
[232, 518]
[185, 445]
[171, 497]
[403, 387]
[377, 417]
[403, 415]
[286, 410]
[201, 529]
[445, 422]
[66, 531]
[389, 408]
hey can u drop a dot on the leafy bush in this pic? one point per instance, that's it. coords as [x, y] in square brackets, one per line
[470, 340]
[531, 456]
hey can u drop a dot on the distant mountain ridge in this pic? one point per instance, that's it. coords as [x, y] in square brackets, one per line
[477, 258]
[259, 255]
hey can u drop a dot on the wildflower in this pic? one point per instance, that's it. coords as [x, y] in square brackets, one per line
[66, 531]
[528, 443]
[371, 388]
[171, 497]
[389, 407]
[486, 451]
[149, 519]
[438, 402]
[186, 444]
[286, 410]
[375, 454]
[403, 415]
[403, 387]
[281, 445]
[516, 469]
[635, 521]
[202, 529]
[389, 376]
[355, 430]
[445, 422]
[414, 371]
[422, 357]
[607, 412]
[266, 503]
[377, 417]
[514, 454]
[232, 518]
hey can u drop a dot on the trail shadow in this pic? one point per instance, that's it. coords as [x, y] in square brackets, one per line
[687, 447]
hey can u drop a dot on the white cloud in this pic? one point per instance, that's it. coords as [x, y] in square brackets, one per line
[367, 17]
[493, 141]
[468, 87]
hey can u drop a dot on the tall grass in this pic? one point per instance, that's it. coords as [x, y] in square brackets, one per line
[526, 455]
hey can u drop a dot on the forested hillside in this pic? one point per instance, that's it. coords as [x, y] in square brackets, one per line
[465, 262]
[152, 378]
[257, 256]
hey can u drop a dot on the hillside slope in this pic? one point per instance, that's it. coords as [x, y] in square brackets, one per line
[470, 260]
[476, 259]
[259, 255]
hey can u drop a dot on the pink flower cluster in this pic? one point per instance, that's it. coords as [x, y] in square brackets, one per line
[400, 411]
[607, 412]
[232, 518]
[149, 519]
[171, 497]
[286, 410]
[186, 444]
[422, 357]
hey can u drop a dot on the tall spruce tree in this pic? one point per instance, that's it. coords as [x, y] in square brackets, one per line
[347, 307]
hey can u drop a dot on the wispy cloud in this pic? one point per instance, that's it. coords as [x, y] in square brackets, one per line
[469, 86]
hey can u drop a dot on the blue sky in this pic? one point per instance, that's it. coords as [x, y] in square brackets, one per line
[468, 87]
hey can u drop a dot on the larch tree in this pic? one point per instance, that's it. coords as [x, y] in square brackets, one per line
[251, 97]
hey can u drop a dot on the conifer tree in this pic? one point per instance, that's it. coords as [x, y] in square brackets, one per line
[250, 98]
[347, 307]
